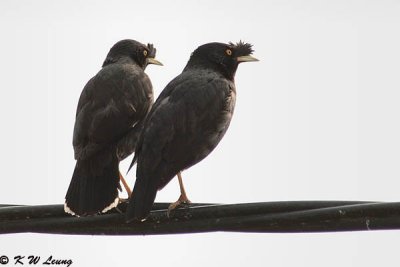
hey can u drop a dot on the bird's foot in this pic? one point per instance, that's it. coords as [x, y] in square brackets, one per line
[183, 200]
[123, 200]
[118, 210]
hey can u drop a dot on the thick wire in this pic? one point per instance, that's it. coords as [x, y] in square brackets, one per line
[264, 217]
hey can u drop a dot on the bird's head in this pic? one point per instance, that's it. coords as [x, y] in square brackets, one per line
[221, 57]
[132, 50]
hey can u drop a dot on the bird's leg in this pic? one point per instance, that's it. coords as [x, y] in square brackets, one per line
[183, 199]
[128, 190]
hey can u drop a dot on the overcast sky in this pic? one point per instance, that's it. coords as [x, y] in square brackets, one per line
[316, 119]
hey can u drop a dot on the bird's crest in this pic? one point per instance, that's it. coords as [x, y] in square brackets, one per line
[152, 50]
[242, 48]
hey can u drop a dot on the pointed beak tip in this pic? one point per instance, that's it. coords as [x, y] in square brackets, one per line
[155, 62]
[247, 59]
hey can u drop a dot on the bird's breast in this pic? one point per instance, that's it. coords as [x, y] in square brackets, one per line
[224, 118]
[230, 101]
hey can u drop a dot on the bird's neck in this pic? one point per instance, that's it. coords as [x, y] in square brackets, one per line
[210, 66]
[120, 60]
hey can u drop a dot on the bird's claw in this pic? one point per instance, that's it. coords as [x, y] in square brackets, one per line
[183, 200]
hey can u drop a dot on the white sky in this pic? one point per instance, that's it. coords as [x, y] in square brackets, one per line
[316, 119]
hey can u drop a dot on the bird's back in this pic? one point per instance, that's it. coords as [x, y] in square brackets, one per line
[110, 103]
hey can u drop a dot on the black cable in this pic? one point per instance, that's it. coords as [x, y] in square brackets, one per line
[295, 216]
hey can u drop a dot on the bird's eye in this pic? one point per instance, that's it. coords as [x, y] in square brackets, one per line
[145, 53]
[228, 52]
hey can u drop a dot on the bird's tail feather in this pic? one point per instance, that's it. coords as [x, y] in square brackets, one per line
[94, 185]
[142, 199]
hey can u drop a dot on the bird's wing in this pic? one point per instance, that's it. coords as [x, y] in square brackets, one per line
[127, 144]
[171, 86]
[185, 125]
[111, 102]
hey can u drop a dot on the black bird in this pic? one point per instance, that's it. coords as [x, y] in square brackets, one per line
[110, 111]
[186, 122]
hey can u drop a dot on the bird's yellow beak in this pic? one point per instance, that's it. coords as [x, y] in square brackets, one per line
[154, 61]
[246, 59]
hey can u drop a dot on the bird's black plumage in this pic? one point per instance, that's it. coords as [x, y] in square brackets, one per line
[187, 121]
[110, 110]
